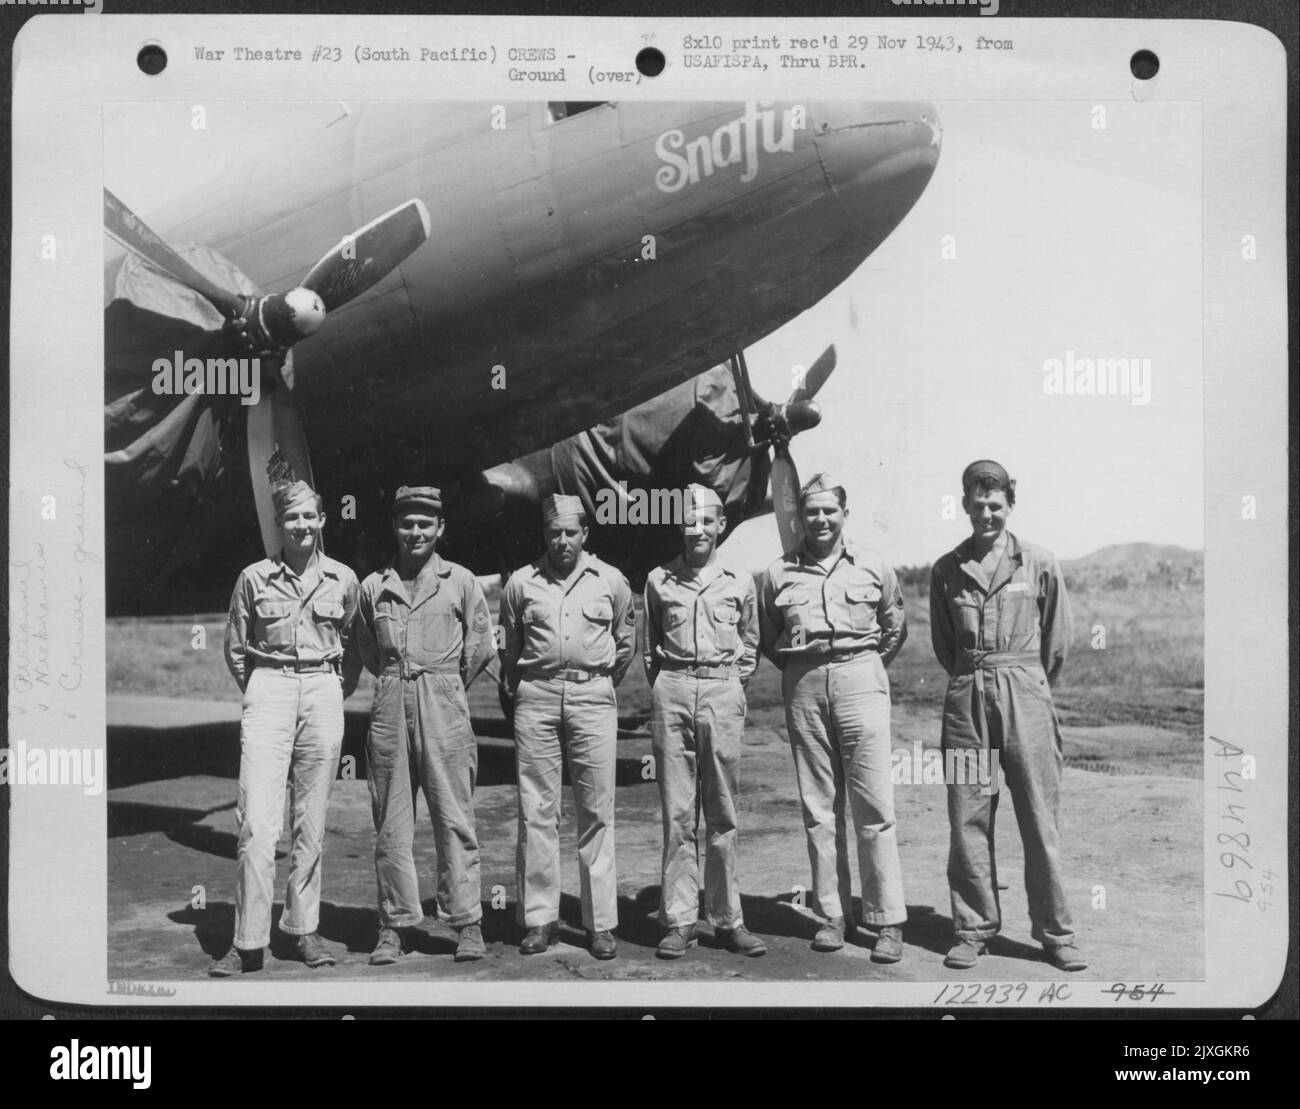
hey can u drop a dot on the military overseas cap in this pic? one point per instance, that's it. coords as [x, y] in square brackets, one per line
[410, 497]
[821, 483]
[286, 497]
[702, 496]
[561, 506]
[985, 469]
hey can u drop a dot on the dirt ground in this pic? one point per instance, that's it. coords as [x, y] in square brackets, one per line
[1132, 857]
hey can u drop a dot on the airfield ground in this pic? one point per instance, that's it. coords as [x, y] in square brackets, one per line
[1131, 823]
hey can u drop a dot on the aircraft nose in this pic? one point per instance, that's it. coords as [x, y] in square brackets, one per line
[877, 157]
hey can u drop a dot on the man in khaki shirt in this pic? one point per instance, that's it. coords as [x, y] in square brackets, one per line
[568, 631]
[1000, 625]
[832, 619]
[701, 647]
[286, 646]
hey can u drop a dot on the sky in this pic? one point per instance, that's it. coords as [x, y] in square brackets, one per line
[1065, 241]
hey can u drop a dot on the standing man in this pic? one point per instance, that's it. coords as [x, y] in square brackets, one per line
[424, 631]
[701, 648]
[1000, 623]
[832, 619]
[568, 633]
[286, 645]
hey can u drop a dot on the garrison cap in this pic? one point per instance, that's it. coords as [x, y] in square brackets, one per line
[821, 483]
[702, 496]
[285, 497]
[985, 469]
[561, 506]
[427, 497]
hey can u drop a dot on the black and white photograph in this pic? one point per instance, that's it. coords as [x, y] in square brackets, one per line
[758, 544]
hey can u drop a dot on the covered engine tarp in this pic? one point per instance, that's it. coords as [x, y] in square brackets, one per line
[154, 441]
[692, 433]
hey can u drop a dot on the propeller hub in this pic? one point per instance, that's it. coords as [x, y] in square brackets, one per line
[306, 311]
[803, 415]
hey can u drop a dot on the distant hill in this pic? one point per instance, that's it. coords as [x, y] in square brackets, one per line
[1126, 564]
[1118, 566]
[1125, 554]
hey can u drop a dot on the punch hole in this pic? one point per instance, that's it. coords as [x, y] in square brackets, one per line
[1144, 65]
[650, 62]
[152, 59]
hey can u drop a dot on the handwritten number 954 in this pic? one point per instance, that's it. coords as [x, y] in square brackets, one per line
[1137, 992]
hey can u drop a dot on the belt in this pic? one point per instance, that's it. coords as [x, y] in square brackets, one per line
[717, 671]
[300, 667]
[830, 656]
[570, 676]
[409, 673]
[972, 659]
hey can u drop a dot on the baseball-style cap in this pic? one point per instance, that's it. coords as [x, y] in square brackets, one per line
[426, 497]
[985, 469]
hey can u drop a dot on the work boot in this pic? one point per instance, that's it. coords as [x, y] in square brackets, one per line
[469, 943]
[235, 962]
[540, 938]
[311, 950]
[389, 948]
[603, 945]
[889, 945]
[831, 935]
[1066, 957]
[741, 941]
[963, 954]
[676, 940]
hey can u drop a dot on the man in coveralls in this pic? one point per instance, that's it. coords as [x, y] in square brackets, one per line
[1000, 623]
[831, 615]
[701, 648]
[568, 633]
[424, 631]
[286, 645]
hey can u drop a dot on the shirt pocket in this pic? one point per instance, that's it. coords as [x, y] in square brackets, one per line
[327, 616]
[860, 603]
[796, 615]
[441, 631]
[1017, 620]
[275, 623]
[677, 630]
[596, 618]
[725, 618]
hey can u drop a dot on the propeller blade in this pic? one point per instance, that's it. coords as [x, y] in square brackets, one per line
[137, 237]
[785, 498]
[816, 376]
[277, 453]
[369, 254]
